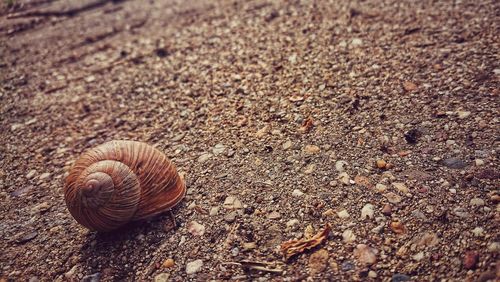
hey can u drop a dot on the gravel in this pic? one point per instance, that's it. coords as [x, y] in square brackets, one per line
[351, 103]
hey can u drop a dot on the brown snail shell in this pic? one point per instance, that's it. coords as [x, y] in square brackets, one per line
[121, 181]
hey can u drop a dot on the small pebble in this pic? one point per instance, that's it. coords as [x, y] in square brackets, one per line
[366, 255]
[478, 232]
[348, 236]
[195, 228]
[274, 215]
[44, 176]
[400, 277]
[380, 187]
[387, 209]
[367, 211]
[471, 259]
[194, 266]
[343, 214]
[287, 145]
[339, 165]
[230, 217]
[381, 164]
[392, 198]
[30, 174]
[311, 149]
[453, 163]
[478, 202]
[401, 187]
[162, 277]
[297, 193]
[205, 157]
[168, 263]
[214, 211]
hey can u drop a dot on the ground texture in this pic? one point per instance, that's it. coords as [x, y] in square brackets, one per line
[378, 118]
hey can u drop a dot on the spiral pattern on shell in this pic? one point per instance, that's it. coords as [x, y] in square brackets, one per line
[121, 181]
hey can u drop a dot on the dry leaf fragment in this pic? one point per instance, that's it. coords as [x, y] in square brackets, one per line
[295, 247]
[307, 125]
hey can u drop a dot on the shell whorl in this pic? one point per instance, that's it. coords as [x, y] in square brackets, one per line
[121, 181]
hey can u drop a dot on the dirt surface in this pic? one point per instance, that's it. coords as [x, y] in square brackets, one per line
[379, 118]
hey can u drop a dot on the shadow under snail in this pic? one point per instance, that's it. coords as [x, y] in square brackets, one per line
[121, 181]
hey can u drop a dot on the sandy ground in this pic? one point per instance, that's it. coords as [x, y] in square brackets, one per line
[379, 118]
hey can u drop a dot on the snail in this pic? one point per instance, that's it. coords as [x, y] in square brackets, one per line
[121, 181]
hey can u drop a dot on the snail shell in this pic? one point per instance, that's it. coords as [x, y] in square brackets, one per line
[121, 181]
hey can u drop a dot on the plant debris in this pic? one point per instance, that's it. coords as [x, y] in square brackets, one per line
[295, 247]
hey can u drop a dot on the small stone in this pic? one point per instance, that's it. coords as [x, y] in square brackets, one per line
[44, 176]
[428, 239]
[366, 255]
[311, 149]
[494, 247]
[310, 169]
[343, 214]
[292, 222]
[453, 163]
[23, 238]
[372, 274]
[463, 114]
[378, 229]
[287, 145]
[340, 165]
[71, 273]
[16, 126]
[471, 258]
[460, 212]
[409, 86]
[419, 256]
[363, 181]
[249, 246]
[478, 232]
[92, 278]
[344, 178]
[205, 157]
[195, 228]
[191, 206]
[308, 232]
[218, 149]
[367, 211]
[392, 198]
[40, 208]
[328, 212]
[162, 277]
[214, 211]
[380, 187]
[168, 263]
[401, 187]
[318, 261]
[387, 209]
[479, 162]
[400, 277]
[381, 164]
[478, 202]
[230, 217]
[347, 265]
[232, 202]
[297, 193]
[261, 132]
[30, 174]
[274, 215]
[194, 266]
[355, 42]
[398, 227]
[348, 236]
